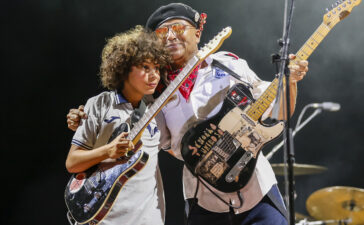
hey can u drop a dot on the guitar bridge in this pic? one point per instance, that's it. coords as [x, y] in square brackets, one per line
[239, 166]
[214, 163]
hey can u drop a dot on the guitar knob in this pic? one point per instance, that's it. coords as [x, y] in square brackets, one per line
[229, 179]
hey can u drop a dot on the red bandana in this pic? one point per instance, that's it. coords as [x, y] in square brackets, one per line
[188, 84]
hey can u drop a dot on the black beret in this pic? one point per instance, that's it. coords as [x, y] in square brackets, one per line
[173, 11]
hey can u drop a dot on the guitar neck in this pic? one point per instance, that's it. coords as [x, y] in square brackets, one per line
[311, 44]
[162, 100]
[261, 105]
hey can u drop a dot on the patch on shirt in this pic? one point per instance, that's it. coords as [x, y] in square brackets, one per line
[219, 73]
[111, 119]
[152, 131]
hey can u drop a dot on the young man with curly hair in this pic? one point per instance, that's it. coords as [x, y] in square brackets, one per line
[130, 68]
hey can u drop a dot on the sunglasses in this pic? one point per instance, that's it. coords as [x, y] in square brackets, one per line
[177, 29]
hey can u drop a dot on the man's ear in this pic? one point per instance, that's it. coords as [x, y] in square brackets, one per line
[198, 35]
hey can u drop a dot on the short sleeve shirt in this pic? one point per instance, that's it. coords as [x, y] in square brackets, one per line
[141, 200]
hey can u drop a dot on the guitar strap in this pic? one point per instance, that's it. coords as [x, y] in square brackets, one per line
[221, 66]
[138, 113]
[134, 117]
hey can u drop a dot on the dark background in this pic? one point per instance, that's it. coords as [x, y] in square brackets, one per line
[51, 54]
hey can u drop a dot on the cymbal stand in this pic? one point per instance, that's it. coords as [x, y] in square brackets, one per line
[298, 127]
[284, 74]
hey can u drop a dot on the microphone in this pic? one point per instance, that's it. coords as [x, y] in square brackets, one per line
[329, 106]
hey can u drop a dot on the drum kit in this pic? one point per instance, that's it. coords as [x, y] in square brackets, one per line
[332, 205]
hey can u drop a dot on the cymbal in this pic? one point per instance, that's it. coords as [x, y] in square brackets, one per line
[298, 169]
[337, 202]
[300, 216]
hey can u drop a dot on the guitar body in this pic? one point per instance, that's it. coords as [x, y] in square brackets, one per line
[223, 150]
[90, 195]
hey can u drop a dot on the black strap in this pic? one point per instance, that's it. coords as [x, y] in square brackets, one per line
[219, 65]
[134, 117]
[138, 113]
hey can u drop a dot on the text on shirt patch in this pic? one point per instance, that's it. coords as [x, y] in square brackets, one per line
[152, 131]
[219, 73]
[111, 119]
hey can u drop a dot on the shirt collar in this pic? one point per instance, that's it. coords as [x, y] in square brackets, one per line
[119, 98]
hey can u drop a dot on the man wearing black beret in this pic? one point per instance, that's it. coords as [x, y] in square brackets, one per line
[200, 97]
[180, 27]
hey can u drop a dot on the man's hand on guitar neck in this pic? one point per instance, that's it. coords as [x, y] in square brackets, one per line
[298, 69]
[74, 117]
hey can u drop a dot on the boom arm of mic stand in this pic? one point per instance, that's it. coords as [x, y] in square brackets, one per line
[298, 128]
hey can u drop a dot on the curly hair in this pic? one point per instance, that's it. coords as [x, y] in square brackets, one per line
[128, 49]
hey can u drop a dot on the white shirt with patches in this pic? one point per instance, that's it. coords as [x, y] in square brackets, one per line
[205, 101]
[141, 200]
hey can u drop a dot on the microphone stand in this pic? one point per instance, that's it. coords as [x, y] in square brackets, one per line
[297, 128]
[289, 157]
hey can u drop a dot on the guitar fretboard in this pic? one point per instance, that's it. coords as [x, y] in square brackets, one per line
[312, 43]
[261, 105]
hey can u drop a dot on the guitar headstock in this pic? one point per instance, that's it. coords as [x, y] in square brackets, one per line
[214, 44]
[339, 11]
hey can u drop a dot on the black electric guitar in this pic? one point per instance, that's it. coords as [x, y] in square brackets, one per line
[223, 150]
[90, 195]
